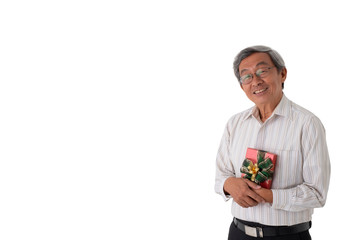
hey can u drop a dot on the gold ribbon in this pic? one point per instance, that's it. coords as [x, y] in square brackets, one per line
[253, 170]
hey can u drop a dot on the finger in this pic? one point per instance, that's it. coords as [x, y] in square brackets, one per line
[252, 184]
[243, 204]
[256, 197]
[250, 202]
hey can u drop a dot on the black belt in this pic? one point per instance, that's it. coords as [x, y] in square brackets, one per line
[270, 231]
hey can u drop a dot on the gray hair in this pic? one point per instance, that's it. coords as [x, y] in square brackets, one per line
[274, 55]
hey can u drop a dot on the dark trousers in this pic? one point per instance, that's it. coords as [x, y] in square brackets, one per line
[237, 234]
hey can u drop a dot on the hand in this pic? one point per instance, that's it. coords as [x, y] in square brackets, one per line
[266, 194]
[242, 191]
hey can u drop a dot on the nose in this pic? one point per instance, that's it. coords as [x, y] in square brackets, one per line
[256, 80]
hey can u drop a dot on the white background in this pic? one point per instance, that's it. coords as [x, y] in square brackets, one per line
[111, 112]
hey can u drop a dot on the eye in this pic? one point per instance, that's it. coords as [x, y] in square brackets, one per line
[262, 72]
[245, 77]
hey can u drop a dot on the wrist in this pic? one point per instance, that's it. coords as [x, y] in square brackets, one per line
[227, 185]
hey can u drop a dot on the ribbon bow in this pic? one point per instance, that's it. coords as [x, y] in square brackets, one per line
[260, 171]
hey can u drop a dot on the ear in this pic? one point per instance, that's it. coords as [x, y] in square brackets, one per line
[283, 74]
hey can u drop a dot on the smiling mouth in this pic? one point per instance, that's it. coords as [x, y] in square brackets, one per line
[260, 91]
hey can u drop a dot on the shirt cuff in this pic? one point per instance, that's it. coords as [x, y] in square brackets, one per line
[220, 190]
[282, 199]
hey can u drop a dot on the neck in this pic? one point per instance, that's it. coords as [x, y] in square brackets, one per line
[265, 110]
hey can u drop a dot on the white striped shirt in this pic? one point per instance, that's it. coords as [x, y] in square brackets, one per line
[302, 173]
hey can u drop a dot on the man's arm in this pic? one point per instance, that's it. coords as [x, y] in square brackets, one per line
[316, 173]
[226, 183]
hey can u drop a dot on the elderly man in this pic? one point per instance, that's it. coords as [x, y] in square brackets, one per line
[276, 125]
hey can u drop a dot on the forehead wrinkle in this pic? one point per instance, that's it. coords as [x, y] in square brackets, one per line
[262, 63]
[258, 64]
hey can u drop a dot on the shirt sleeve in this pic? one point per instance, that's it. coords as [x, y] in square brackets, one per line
[224, 166]
[316, 172]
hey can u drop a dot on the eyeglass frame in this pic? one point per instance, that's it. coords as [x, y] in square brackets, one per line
[252, 75]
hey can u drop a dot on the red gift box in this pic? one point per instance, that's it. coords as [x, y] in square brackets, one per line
[260, 172]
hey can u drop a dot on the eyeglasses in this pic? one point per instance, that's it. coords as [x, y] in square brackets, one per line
[261, 73]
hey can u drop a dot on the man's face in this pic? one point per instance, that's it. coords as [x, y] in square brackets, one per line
[262, 90]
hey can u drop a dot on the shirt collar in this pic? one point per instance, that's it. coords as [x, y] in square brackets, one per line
[282, 109]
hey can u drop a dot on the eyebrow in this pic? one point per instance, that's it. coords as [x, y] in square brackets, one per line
[259, 64]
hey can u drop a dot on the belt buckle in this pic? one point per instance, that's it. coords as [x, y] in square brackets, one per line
[254, 231]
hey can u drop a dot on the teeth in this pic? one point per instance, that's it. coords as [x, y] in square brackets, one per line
[260, 91]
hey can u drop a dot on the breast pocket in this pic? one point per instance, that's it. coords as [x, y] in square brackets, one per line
[288, 169]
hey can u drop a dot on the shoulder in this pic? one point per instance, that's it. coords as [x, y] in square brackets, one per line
[304, 116]
[238, 118]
